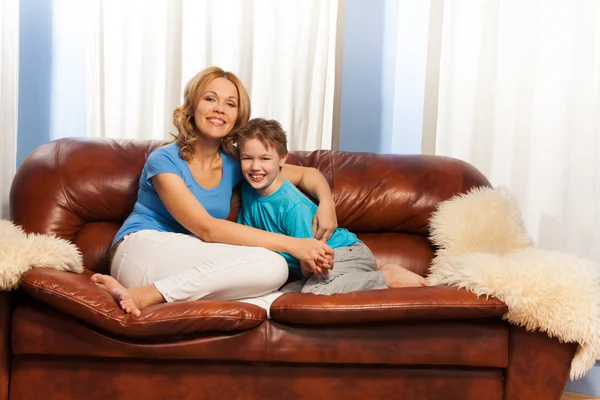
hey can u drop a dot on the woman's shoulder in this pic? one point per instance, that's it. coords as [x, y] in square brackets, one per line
[228, 158]
[169, 148]
[170, 151]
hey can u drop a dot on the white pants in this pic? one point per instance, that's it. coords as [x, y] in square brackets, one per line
[183, 267]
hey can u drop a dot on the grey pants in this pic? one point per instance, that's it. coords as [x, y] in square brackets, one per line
[354, 268]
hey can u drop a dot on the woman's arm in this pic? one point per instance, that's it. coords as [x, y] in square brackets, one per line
[312, 181]
[188, 211]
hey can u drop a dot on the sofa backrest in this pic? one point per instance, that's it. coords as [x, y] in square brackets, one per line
[83, 189]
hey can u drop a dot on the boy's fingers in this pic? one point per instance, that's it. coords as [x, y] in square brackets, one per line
[325, 263]
[312, 265]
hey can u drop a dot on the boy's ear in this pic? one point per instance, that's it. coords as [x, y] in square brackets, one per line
[282, 160]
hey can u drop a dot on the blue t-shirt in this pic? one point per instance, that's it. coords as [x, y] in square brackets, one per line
[289, 212]
[149, 212]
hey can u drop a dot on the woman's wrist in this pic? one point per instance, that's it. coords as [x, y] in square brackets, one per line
[290, 245]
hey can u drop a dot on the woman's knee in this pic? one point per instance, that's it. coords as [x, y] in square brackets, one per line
[276, 264]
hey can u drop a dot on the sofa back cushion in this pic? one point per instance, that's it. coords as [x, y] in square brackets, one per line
[83, 189]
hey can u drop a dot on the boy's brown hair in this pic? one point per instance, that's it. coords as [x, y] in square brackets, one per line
[268, 132]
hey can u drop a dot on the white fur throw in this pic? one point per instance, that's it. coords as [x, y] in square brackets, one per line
[20, 251]
[483, 247]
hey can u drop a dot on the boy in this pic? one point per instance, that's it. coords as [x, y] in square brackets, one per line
[273, 204]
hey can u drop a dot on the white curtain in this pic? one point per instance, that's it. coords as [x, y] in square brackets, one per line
[519, 98]
[9, 88]
[141, 53]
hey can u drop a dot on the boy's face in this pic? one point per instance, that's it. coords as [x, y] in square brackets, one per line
[261, 166]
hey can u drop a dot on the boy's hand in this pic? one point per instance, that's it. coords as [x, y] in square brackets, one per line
[325, 266]
[305, 269]
[315, 254]
[325, 221]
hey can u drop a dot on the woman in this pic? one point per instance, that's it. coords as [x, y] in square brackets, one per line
[177, 244]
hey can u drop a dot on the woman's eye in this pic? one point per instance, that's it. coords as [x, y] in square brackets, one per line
[210, 99]
[231, 105]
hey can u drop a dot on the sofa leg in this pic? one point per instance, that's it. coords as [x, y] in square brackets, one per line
[538, 366]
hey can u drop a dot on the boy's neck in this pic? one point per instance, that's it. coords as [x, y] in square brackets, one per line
[272, 188]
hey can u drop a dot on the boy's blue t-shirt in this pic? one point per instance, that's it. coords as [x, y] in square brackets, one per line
[289, 212]
[149, 212]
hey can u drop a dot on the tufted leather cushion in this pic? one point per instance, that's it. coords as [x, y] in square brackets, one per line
[76, 295]
[391, 305]
[83, 189]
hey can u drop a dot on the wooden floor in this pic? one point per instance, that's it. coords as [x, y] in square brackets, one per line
[577, 396]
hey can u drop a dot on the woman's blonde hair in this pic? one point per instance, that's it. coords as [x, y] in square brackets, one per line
[183, 116]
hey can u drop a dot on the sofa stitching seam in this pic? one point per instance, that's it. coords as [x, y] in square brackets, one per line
[383, 307]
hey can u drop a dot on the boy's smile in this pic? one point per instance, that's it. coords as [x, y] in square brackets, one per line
[261, 166]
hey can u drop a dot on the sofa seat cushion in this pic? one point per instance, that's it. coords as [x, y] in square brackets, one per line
[76, 295]
[465, 343]
[389, 305]
[39, 329]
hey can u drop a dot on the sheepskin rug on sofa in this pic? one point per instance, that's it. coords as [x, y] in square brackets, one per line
[484, 247]
[20, 251]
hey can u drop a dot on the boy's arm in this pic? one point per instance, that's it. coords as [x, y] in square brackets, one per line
[312, 181]
[245, 218]
[298, 223]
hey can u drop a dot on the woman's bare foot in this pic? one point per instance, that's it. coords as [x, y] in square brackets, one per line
[131, 300]
[397, 276]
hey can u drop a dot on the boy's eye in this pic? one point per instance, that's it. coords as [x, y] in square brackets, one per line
[265, 158]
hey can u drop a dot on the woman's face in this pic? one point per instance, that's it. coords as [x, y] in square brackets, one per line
[217, 109]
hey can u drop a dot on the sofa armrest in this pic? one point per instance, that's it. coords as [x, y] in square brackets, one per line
[78, 296]
[5, 349]
[388, 305]
[538, 365]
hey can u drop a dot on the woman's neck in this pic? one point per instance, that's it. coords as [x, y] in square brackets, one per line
[206, 151]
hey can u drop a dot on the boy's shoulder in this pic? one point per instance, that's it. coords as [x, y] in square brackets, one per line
[292, 192]
[295, 197]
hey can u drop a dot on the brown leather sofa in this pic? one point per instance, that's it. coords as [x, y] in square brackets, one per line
[64, 338]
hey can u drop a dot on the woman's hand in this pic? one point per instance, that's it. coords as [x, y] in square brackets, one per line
[313, 255]
[325, 221]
